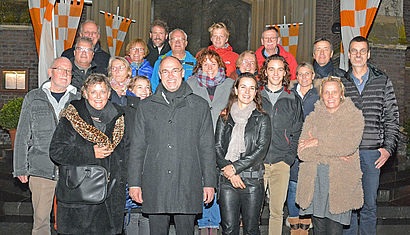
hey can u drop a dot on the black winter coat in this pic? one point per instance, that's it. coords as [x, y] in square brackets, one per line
[172, 154]
[100, 58]
[379, 106]
[153, 55]
[286, 118]
[257, 138]
[69, 148]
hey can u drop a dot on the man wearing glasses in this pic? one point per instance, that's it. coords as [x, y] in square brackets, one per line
[91, 30]
[270, 46]
[178, 40]
[38, 120]
[172, 157]
[83, 64]
[372, 92]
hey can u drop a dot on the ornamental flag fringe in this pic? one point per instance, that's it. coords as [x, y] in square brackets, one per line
[117, 28]
[356, 17]
[289, 34]
[66, 18]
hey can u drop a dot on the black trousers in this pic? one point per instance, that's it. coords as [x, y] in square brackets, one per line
[326, 226]
[159, 223]
[233, 202]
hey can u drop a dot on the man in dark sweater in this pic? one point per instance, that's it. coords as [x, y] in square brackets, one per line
[322, 55]
[372, 92]
[91, 30]
[158, 41]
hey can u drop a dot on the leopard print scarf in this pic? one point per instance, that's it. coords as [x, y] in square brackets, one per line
[91, 133]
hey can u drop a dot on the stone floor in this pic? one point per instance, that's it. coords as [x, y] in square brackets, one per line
[393, 200]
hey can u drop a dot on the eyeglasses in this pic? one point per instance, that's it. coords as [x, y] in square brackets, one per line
[245, 62]
[218, 37]
[83, 49]
[174, 72]
[269, 38]
[178, 39]
[134, 49]
[90, 33]
[118, 68]
[355, 52]
[60, 70]
[307, 74]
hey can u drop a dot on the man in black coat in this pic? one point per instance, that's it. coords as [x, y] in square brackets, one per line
[172, 157]
[83, 64]
[158, 41]
[372, 92]
[323, 64]
[91, 30]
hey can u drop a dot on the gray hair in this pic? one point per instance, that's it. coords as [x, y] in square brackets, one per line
[322, 40]
[90, 21]
[84, 39]
[178, 29]
[53, 64]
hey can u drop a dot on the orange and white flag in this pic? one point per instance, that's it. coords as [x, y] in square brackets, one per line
[356, 17]
[66, 19]
[289, 37]
[117, 28]
[41, 12]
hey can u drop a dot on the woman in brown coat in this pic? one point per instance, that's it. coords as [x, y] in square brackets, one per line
[329, 185]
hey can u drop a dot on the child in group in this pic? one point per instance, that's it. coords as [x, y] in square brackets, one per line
[140, 86]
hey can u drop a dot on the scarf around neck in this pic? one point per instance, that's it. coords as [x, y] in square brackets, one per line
[323, 71]
[237, 143]
[120, 87]
[205, 81]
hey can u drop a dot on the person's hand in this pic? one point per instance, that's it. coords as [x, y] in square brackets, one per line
[102, 152]
[209, 193]
[228, 171]
[237, 182]
[384, 156]
[23, 178]
[346, 158]
[308, 143]
[136, 194]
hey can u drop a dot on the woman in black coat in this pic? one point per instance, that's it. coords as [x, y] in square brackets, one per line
[95, 118]
[242, 138]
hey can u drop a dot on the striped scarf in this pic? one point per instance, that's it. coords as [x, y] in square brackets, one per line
[206, 81]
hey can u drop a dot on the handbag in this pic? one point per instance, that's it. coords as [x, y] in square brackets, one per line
[86, 184]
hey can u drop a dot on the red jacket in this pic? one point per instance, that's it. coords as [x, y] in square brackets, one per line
[282, 52]
[228, 56]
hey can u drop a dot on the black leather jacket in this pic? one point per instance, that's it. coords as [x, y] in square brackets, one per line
[257, 139]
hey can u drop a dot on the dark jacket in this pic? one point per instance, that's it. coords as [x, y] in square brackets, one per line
[172, 154]
[69, 148]
[36, 126]
[153, 51]
[101, 58]
[78, 76]
[308, 105]
[322, 71]
[257, 139]
[286, 118]
[379, 106]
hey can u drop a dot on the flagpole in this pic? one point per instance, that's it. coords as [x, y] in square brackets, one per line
[54, 34]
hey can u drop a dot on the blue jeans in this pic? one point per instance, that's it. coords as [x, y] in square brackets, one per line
[370, 182]
[211, 216]
[292, 207]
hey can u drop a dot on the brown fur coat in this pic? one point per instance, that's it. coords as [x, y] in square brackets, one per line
[339, 134]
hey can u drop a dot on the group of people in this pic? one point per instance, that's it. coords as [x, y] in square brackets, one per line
[209, 137]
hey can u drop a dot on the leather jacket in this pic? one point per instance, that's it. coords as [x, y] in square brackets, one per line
[257, 138]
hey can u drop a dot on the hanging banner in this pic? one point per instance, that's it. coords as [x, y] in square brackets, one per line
[289, 35]
[117, 28]
[356, 18]
[67, 16]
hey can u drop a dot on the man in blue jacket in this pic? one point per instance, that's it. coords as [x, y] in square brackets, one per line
[178, 40]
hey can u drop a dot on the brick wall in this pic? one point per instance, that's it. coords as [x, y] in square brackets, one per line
[327, 13]
[392, 62]
[18, 51]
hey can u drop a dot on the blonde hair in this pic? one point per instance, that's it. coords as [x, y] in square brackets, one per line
[333, 79]
[134, 80]
[124, 61]
[219, 25]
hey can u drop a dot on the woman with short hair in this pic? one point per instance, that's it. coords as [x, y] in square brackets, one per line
[137, 51]
[329, 181]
